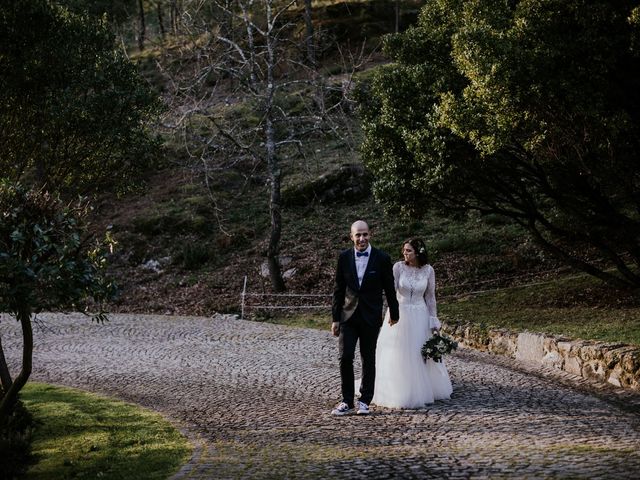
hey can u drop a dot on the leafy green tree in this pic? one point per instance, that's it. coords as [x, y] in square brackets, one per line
[529, 109]
[73, 109]
[46, 263]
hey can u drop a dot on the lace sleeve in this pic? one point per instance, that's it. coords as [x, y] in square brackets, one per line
[397, 268]
[430, 300]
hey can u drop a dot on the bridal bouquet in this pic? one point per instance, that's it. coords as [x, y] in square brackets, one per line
[437, 347]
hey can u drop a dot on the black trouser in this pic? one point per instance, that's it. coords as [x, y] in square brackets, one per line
[353, 329]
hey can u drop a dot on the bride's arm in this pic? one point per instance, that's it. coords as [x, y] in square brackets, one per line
[430, 300]
[396, 274]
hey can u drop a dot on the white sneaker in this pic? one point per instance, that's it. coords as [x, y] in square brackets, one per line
[363, 408]
[342, 409]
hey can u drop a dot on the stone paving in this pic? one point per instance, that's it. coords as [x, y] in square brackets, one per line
[255, 400]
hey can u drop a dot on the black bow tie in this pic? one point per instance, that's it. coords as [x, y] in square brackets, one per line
[362, 254]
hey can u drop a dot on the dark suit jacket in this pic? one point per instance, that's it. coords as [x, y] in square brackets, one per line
[349, 297]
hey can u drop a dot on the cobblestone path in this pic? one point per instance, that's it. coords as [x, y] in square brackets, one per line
[256, 398]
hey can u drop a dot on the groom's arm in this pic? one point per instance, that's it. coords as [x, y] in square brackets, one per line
[389, 287]
[339, 291]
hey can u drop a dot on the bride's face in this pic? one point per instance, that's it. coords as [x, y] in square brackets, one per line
[409, 254]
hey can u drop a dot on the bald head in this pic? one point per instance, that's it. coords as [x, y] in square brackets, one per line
[359, 224]
[360, 235]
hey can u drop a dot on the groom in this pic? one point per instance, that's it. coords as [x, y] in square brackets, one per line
[362, 275]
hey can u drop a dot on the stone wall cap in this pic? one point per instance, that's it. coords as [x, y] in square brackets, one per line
[615, 363]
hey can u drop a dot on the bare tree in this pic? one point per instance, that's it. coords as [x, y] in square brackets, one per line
[251, 59]
[173, 16]
[160, 19]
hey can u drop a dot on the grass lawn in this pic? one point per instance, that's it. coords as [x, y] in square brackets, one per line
[82, 435]
[576, 306]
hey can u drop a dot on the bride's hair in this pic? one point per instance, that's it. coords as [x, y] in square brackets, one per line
[419, 247]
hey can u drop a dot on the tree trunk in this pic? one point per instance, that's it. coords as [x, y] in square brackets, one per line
[10, 396]
[275, 174]
[273, 249]
[173, 16]
[397, 16]
[5, 375]
[142, 26]
[577, 263]
[253, 77]
[311, 50]
[160, 19]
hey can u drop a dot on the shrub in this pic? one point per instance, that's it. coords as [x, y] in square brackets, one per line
[15, 442]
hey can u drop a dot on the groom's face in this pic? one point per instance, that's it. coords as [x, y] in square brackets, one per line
[360, 236]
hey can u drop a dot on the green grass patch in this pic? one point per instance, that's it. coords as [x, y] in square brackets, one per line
[82, 435]
[576, 306]
[173, 218]
[315, 320]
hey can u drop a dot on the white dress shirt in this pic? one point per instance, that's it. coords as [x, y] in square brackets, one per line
[361, 263]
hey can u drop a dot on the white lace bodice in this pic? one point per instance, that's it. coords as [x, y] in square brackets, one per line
[417, 287]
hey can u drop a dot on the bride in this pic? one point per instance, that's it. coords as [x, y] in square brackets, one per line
[403, 380]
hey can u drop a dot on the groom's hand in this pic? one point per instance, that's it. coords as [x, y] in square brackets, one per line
[335, 328]
[392, 322]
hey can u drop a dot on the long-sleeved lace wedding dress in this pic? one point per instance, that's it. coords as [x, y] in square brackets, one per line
[403, 379]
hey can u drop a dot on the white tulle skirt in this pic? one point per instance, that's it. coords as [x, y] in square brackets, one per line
[403, 379]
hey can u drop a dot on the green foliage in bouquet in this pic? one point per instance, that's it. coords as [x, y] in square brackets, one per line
[437, 347]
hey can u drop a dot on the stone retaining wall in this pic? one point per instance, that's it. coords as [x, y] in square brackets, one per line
[615, 363]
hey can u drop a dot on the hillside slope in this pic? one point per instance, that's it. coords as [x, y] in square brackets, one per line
[187, 249]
